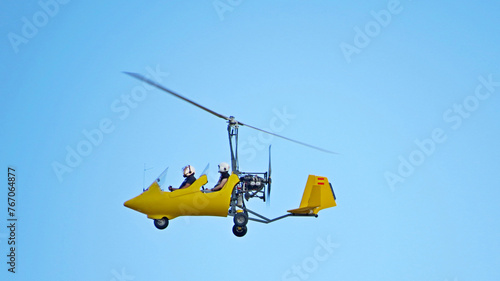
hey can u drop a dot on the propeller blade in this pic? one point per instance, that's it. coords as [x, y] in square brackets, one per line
[289, 139]
[150, 82]
[269, 161]
[268, 201]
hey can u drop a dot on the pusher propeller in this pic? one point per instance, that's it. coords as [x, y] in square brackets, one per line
[269, 180]
[230, 119]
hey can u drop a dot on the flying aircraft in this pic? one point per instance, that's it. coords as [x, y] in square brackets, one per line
[163, 206]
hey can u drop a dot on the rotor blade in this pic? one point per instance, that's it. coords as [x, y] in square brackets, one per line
[144, 79]
[150, 82]
[288, 139]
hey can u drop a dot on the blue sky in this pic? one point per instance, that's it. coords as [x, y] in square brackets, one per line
[405, 91]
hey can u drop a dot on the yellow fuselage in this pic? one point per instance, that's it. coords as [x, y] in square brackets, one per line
[190, 201]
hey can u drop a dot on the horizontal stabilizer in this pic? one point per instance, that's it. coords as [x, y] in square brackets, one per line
[305, 210]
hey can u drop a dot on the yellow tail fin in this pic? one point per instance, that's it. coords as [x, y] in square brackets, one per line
[318, 195]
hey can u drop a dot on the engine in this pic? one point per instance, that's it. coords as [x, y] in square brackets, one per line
[252, 182]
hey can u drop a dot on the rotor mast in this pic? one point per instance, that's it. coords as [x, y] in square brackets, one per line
[232, 132]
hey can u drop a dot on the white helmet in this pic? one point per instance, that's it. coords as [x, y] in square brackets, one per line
[188, 170]
[223, 167]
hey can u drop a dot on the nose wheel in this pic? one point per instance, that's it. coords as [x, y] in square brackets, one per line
[161, 223]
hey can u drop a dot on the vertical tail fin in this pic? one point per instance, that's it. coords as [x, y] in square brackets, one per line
[318, 195]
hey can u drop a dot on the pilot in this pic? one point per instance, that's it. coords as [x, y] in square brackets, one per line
[188, 172]
[224, 175]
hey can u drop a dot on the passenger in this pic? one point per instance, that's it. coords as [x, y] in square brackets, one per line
[189, 175]
[224, 175]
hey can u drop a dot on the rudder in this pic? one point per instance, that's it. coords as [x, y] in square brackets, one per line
[318, 195]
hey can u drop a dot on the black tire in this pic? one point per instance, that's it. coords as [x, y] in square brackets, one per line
[240, 219]
[161, 223]
[239, 231]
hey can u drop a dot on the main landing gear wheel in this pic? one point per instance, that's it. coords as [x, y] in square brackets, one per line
[239, 231]
[240, 219]
[161, 223]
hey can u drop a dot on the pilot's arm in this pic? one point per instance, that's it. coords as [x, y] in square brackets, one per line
[181, 187]
[220, 185]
